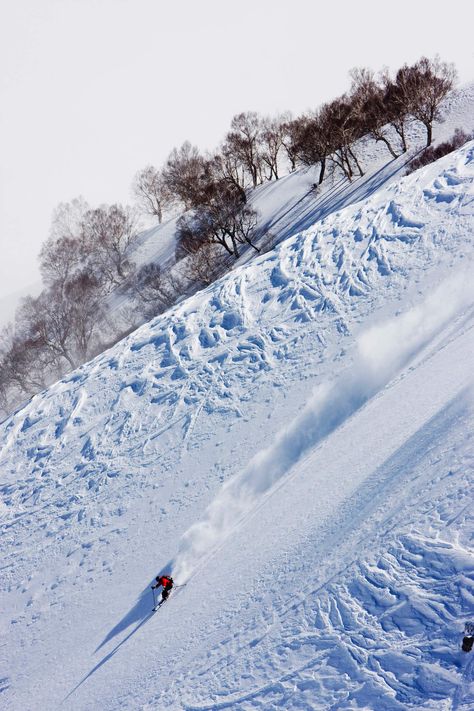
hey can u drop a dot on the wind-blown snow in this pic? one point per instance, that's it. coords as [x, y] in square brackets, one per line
[341, 573]
[382, 352]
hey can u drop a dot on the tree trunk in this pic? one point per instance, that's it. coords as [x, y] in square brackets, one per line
[347, 164]
[403, 137]
[400, 129]
[248, 240]
[387, 143]
[354, 157]
[69, 359]
[341, 161]
[429, 133]
[235, 248]
[216, 239]
[322, 170]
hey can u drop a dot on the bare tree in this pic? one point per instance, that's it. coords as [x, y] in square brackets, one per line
[63, 252]
[432, 153]
[84, 293]
[55, 331]
[67, 219]
[397, 108]
[340, 121]
[186, 176]
[4, 393]
[62, 322]
[151, 192]
[271, 142]
[290, 140]
[60, 259]
[224, 220]
[22, 367]
[367, 97]
[5, 382]
[46, 321]
[154, 290]
[26, 363]
[311, 140]
[109, 233]
[227, 170]
[206, 265]
[243, 143]
[422, 88]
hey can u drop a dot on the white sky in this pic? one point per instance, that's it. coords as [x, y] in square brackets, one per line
[93, 90]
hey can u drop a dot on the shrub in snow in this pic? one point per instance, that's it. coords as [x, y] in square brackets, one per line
[432, 153]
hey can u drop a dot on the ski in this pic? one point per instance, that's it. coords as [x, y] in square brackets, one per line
[156, 607]
[162, 602]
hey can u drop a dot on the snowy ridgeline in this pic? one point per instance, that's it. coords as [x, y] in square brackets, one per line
[332, 569]
[289, 205]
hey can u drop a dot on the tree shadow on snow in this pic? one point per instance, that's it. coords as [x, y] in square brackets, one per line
[311, 208]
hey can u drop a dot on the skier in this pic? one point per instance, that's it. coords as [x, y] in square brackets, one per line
[468, 637]
[166, 581]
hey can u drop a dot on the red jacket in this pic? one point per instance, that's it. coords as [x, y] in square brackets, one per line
[165, 581]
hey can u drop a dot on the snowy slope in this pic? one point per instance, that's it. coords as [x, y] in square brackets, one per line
[289, 205]
[334, 568]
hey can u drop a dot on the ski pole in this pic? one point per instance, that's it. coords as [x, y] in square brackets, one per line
[154, 599]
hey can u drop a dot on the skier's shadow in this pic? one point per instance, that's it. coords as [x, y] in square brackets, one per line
[141, 612]
[138, 613]
[110, 654]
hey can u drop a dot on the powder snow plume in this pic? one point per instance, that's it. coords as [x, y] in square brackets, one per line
[382, 352]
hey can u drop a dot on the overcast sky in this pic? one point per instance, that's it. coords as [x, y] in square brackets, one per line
[93, 90]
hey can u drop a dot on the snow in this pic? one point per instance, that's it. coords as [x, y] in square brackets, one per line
[290, 205]
[382, 351]
[295, 444]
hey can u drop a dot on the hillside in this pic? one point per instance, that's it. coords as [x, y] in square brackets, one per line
[104, 308]
[294, 443]
[289, 205]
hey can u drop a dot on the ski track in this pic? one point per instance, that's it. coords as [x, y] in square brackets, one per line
[130, 449]
[384, 600]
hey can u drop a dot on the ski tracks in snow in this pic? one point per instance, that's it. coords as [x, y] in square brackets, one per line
[142, 437]
[384, 629]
